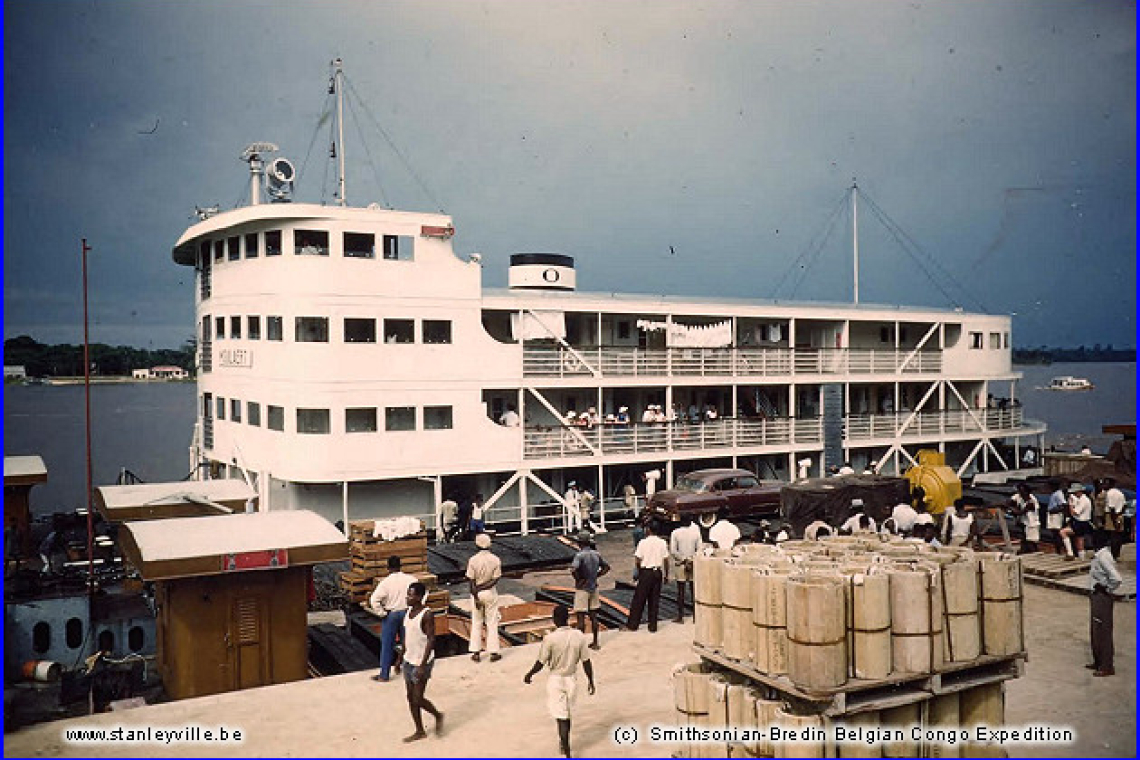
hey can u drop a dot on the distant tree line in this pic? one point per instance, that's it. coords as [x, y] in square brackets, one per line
[1048, 355]
[66, 360]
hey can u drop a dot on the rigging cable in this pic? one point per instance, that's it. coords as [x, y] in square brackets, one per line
[815, 242]
[840, 214]
[368, 154]
[326, 112]
[392, 145]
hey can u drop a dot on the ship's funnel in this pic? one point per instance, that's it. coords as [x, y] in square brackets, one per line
[542, 271]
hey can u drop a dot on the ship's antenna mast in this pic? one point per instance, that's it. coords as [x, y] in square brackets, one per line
[855, 232]
[338, 149]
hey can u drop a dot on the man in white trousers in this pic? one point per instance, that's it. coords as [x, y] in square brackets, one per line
[483, 572]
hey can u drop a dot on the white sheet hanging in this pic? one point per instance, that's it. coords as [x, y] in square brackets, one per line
[539, 325]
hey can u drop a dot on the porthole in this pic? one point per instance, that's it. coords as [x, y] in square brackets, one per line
[41, 637]
[73, 633]
[106, 641]
[136, 637]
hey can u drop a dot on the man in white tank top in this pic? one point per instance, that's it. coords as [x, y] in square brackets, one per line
[419, 657]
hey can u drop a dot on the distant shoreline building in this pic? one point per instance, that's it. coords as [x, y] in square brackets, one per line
[160, 373]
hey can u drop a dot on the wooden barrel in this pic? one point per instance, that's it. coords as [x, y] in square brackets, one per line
[742, 714]
[982, 706]
[707, 579]
[962, 628]
[817, 631]
[812, 724]
[770, 621]
[766, 710]
[916, 619]
[864, 720]
[738, 637]
[942, 712]
[1003, 629]
[690, 700]
[708, 626]
[717, 716]
[869, 625]
[904, 718]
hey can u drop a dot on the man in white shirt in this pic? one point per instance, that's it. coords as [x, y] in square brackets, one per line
[1103, 580]
[858, 521]
[390, 601]
[562, 650]
[483, 572]
[1055, 515]
[650, 562]
[651, 477]
[509, 418]
[1114, 516]
[959, 525]
[846, 469]
[904, 516]
[1080, 523]
[1024, 504]
[684, 543]
[724, 534]
[573, 499]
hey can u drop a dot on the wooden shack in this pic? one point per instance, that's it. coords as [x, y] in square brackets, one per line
[231, 593]
[185, 498]
[20, 474]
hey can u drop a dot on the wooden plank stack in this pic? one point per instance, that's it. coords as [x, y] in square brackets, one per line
[369, 555]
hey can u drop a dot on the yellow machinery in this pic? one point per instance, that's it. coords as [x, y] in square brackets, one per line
[941, 483]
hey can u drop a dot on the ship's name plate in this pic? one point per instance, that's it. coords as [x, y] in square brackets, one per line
[235, 357]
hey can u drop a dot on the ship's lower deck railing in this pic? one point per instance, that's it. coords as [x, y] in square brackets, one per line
[650, 438]
[611, 361]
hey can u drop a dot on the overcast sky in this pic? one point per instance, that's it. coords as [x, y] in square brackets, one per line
[687, 148]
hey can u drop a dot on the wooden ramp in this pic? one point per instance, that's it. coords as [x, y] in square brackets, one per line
[1079, 584]
[1053, 565]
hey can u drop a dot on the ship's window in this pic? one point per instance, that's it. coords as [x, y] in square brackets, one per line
[253, 325]
[219, 250]
[400, 418]
[253, 413]
[273, 242]
[274, 328]
[41, 637]
[73, 633]
[398, 248]
[220, 404]
[219, 327]
[975, 340]
[136, 637]
[623, 330]
[204, 253]
[275, 417]
[902, 336]
[885, 335]
[233, 248]
[311, 242]
[1005, 340]
[312, 420]
[251, 245]
[359, 245]
[361, 420]
[106, 640]
[312, 330]
[437, 418]
[235, 327]
[206, 322]
[995, 340]
[399, 331]
[437, 331]
[359, 330]
[235, 410]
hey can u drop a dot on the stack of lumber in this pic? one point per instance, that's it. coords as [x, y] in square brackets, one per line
[369, 557]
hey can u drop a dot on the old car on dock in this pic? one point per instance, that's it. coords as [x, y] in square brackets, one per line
[704, 493]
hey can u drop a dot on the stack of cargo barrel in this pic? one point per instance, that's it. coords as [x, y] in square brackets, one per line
[852, 630]
[368, 552]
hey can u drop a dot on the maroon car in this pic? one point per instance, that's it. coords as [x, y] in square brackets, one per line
[702, 494]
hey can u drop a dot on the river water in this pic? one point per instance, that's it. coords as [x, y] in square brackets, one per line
[146, 427]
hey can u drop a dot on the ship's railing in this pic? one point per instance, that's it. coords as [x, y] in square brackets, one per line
[206, 355]
[646, 438]
[208, 432]
[612, 361]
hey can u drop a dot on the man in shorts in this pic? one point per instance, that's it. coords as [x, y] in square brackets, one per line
[684, 543]
[586, 568]
[561, 651]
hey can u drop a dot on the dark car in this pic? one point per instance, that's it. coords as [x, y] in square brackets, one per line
[702, 494]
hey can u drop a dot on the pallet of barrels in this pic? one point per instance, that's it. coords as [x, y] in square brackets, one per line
[860, 628]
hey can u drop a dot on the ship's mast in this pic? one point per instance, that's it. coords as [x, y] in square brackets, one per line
[338, 87]
[855, 232]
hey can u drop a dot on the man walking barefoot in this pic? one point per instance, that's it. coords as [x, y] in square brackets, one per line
[561, 651]
[419, 656]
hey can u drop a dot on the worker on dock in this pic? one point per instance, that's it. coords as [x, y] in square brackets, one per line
[724, 534]
[1055, 517]
[1080, 521]
[1024, 504]
[859, 521]
[561, 651]
[483, 572]
[1114, 516]
[649, 562]
[587, 566]
[389, 602]
[959, 526]
[419, 657]
[573, 502]
[1103, 580]
[684, 543]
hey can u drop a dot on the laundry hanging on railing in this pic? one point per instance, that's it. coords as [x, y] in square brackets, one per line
[691, 336]
[539, 325]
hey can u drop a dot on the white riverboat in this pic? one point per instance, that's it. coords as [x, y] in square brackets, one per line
[352, 363]
[1069, 383]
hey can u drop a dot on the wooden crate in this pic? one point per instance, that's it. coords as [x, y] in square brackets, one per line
[404, 547]
[362, 530]
[379, 569]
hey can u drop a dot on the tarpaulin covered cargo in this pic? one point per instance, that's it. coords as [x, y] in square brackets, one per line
[829, 499]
